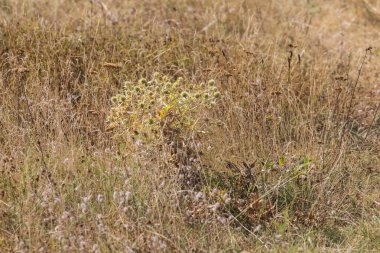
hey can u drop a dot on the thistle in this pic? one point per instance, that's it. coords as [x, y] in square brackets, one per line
[137, 89]
[211, 82]
[184, 94]
[217, 94]
[114, 99]
[143, 81]
[163, 106]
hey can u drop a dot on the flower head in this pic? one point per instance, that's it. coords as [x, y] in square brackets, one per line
[217, 94]
[143, 81]
[184, 94]
[211, 82]
[137, 89]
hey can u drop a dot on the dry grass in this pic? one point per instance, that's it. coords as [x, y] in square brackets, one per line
[292, 159]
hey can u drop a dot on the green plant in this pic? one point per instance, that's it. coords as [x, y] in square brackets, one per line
[161, 111]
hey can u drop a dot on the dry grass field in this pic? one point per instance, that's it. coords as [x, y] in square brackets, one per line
[189, 126]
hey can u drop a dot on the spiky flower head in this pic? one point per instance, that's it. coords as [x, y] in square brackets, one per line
[137, 89]
[211, 82]
[122, 98]
[143, 81]
[184, 94]
[114, 99]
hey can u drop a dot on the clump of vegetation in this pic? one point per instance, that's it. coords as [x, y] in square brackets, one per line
[161, 111]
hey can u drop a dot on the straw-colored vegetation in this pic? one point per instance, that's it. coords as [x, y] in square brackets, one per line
[189, 126]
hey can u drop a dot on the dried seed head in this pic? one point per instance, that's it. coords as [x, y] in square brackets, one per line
[114, 99]
[211, 82]
[137, 89]
[123, 98]
[184, 94]
[143, 81]
[217, 94]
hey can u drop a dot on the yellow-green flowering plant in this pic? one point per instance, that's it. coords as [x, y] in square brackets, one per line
[160, 111]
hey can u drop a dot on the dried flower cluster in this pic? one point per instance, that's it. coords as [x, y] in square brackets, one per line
[159, 110]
